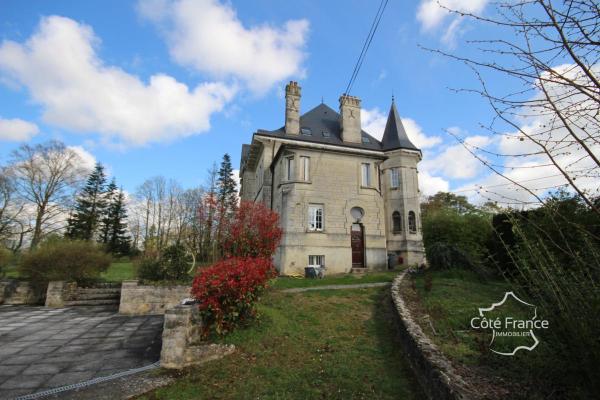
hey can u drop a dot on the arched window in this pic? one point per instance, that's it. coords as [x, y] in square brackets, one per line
[396, 222]
[412, 222]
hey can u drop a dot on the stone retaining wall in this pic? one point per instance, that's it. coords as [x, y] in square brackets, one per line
[139, 299]
[435, 373]
[15, 292]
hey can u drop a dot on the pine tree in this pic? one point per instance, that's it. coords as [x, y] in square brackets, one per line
[90, 205]
[118, 240]
[227, 190]
[226, 197]
[110, 194]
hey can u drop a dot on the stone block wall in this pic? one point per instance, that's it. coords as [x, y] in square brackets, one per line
[181, 341]
[438, 378]
[15, 292]
[139, 299]
[58, 292]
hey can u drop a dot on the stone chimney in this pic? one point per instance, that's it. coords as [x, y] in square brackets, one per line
[350, 119]
[292, 108]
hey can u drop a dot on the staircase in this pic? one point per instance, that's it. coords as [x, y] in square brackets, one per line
[104, 295]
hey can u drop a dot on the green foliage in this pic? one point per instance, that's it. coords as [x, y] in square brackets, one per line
[227, 191]
[172, 265]
[555, 258]
[149, 269]
[175, 262]
[90, 207]
[68, 260]
[455, 234]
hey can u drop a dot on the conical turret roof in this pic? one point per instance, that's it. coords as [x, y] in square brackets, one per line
[394, 136]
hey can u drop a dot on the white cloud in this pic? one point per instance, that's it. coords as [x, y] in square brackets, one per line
[430, 185]
[59, 66]
[87, 159]
[17, 130]
[431, 14]
[373, 122]
[455, 161]
[209, 37]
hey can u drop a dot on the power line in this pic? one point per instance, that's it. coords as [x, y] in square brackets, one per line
[366, 45]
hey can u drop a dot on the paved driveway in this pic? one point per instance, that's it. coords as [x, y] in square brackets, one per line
[43, 348]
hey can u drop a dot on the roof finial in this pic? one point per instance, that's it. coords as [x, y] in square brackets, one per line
[322, 100]
[392, 95]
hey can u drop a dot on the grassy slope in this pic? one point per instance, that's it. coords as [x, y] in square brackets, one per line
[453, 300]
[328, 344]
[119, 271]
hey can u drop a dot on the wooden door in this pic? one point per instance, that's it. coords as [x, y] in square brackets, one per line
[357, 243]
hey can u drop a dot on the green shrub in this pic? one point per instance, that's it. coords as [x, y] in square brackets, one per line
[64, 260]
[148, 269]
[172, 265]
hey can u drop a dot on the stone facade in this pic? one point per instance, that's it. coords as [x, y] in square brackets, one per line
[333, 166]
[139, 299]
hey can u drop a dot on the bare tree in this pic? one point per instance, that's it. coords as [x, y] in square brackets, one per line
[46, 176]
[549, 51]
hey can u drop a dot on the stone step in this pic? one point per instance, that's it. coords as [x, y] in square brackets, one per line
[74, 303]
[112, 291]
[358, 270]
[97, 296]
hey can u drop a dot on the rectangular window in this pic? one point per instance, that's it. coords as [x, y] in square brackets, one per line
[305, 168]
[395, 177]
[316, 261]
[315, 217]
[366, 174]
[289, 168]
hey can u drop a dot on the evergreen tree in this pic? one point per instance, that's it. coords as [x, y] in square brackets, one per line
[118, 240]
[90, 205]
[111, 193]
[227, 192]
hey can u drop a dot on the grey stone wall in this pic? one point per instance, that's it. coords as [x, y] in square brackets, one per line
[58, 292]
[15, 292]
[438, 378]
[141, 299]
[181, 342]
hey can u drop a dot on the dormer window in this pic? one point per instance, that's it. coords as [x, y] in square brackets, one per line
[306, 131]
[326, 134]
[366, 139]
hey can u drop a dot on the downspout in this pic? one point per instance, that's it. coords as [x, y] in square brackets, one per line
[272, 168]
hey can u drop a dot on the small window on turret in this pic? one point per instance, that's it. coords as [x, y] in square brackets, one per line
[325, 134]
[306, 131]
[366, 139]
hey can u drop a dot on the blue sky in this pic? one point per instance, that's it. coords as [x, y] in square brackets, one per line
[167, 87]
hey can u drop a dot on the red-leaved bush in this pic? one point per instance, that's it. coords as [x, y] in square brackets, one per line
[226, 291]
[252, 232]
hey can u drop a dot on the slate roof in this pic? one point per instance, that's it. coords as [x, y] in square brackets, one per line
[321, 119]
[394, 136]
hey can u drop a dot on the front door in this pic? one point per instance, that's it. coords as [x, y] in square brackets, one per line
[357, 243]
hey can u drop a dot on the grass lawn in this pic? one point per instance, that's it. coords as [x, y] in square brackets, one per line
[283, 282]
[331, 344]
[119, 271]
[454, 298]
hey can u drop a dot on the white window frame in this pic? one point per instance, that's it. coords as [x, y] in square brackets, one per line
[394, 178]
[365, 169]
[316, 217]
[316, 260]
[289, 168]
[305, 168]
